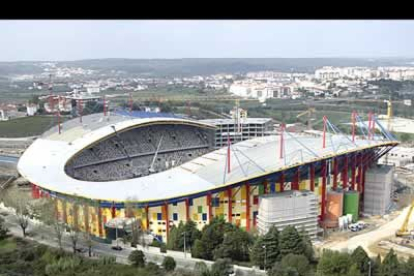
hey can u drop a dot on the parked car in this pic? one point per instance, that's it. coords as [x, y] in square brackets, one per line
[116, 247]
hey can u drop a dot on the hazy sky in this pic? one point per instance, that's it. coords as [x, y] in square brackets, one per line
[72, 40]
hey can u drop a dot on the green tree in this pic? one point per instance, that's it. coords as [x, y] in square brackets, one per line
[291, 241]
[212, 236]
[137, 258]
[390, 265]
[235, 246]
[176, 237]
[307, 243]
[333, 263]
[278, 270]
[354, 271]
[169, 263]
[360, 258]
[298, 263]
[266, 249]
[376, 265]
[407, 268]
[221, 267]
[3, 230]
[201, 269]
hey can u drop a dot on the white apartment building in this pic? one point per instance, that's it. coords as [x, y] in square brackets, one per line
[260, 91]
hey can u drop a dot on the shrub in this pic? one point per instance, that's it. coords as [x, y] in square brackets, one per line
[137, 258]
[169, 263]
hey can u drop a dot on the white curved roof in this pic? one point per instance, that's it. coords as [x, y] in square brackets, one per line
[44, 161]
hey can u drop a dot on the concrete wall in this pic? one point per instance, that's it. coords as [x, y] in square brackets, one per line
[378, 190]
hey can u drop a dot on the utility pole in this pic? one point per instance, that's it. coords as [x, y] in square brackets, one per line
[369, 270]
[116, 232]
[185, 249]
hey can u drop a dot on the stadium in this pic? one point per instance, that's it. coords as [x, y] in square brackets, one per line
[166, 167]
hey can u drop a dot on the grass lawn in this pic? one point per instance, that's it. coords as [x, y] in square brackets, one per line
[27, 126]
[7, 245]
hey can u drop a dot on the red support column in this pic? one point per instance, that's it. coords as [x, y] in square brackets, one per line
[265, 187]
[210, 209]
[187, 209]
[113, 210]
[282, 181]
[323, 190]
[312, 177]
[167, 219]
[147, 217]
[360, 177]
[230, 205]
[100, 228]
[353, 171]
[295, 182]
[247, 207]
[34, 192]
[324, 132]
[345, 173]
[335, 174]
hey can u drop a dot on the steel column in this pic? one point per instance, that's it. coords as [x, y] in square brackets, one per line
[210, 212]
[167, 219]
[247, 207]
[100, 229]
[324, 132]
[147, 217]
[345, 173]
[295, 182]
[282, 181]
[312, 177]
[323, 198]
[335, 174]
[282, 128]
[359, 181]
[113, 210]
[353, 170]
[230, 205]
[187, 209]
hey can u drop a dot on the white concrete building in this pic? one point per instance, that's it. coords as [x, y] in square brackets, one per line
[398, 156]
[378, 190]
[31, 109]
[289, 208]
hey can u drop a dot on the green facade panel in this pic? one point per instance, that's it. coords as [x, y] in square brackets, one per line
[351, 204]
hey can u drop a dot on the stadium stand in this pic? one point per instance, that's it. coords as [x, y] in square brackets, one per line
[140, 151]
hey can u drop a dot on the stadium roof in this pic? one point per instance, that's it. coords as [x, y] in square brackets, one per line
[44, 161]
